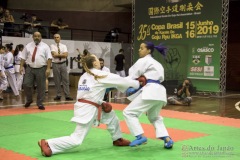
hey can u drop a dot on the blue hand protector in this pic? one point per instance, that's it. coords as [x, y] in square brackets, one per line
[131, 91]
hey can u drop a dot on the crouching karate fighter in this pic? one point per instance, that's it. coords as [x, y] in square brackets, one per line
[149, 99]
[87, 110]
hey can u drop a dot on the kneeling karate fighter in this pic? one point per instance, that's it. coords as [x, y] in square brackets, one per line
[87, 110]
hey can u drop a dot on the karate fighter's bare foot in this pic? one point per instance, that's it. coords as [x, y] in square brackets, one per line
[121, 142]
[45, 149]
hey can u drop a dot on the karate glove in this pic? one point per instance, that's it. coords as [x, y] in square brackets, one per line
[131, 91]
[142, 80]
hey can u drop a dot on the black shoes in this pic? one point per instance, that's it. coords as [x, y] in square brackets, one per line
[68, 98]
[28, 104]
[41, 107]
[57, 98]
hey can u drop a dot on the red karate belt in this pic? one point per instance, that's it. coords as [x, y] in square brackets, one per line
[94, 104]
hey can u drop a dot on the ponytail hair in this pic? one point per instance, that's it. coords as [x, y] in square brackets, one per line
[17, 49]
[9, 46]
[160, 48]
[87, 63]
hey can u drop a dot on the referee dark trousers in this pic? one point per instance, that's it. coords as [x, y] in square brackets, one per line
[37, 75]
[60, 75]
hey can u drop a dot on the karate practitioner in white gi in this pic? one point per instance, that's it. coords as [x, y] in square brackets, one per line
[17, 59]
[9, 69]
[149, 99]
[91, 87]
[3, 77]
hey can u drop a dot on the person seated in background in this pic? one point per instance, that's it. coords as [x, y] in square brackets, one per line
[112, 35]
[31, 26]
[8, 21]
[57, 25]
[1, 12]
[184, 93]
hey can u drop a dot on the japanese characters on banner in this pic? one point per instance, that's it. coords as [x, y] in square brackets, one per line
[191, 29]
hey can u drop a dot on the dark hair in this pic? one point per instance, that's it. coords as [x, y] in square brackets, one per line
[18, 47]
[60, 20]
[100, 59]
[2, 47]
[9, 46]
[160, 48]
[85, 52]
[121, 50]
[189, 80]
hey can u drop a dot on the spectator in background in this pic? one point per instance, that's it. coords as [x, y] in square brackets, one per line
[60, 75]
[31, 26]
[184, 93]
[17, 61]
[57, 25]
[1, 12]
[103, 67]
[119, 61]
[112, 35]
[8, 21]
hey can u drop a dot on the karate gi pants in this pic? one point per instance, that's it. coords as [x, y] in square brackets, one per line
[139, 106]
[62, 144]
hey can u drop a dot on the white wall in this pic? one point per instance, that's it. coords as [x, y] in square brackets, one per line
[105, 50]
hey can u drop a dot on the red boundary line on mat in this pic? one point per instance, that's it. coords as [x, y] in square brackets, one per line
[193, 117]
[165, 113]
[11, 155]
[179, 135]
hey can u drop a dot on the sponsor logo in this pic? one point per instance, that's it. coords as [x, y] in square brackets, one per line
[205, 49]
[83, 88]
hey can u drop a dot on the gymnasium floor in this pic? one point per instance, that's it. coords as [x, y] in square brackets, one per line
[208, 129]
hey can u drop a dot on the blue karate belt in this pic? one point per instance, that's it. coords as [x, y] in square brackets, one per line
[153, 81]
[9, 67]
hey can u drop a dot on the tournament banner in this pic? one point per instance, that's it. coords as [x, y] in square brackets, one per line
[191, 29]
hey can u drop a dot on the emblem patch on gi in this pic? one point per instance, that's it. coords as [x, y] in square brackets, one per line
[83, 86]
[84, 81]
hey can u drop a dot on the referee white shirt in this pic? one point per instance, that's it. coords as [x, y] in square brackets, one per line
[42, 55]
[63, 49]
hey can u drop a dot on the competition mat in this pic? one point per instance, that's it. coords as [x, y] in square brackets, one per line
[196, 136]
